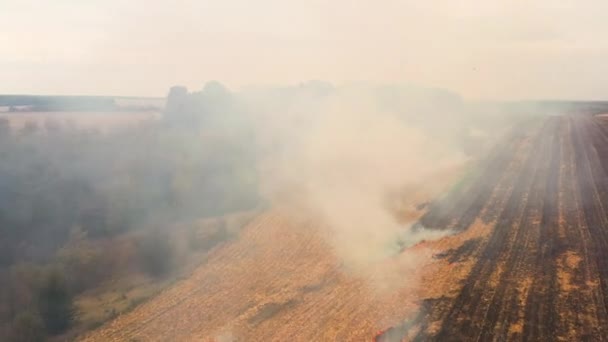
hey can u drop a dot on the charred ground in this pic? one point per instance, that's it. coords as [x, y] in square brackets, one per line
[541, 272]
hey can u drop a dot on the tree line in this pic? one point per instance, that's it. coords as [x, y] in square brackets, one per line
[78, 207]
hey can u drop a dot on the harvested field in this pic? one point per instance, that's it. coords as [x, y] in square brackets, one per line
[258, 291]
[529, 262]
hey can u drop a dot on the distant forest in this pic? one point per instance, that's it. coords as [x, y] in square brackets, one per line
[81, 207]
[38, 103]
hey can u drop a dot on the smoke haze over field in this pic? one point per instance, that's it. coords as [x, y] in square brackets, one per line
[338, 143]
[481, 49]
[355, 159]
[341, 152]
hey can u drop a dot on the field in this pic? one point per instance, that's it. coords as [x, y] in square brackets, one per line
[529, 261]
[541, 272]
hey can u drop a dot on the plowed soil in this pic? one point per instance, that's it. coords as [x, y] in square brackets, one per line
[541, 274]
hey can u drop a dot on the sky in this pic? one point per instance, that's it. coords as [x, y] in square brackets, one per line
[491, 50]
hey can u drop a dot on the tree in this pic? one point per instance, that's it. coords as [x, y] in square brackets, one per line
[177, 102]
[55, 303]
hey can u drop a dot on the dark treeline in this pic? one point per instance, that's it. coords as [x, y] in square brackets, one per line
[37, 103]
[80, 207]
[57, 103]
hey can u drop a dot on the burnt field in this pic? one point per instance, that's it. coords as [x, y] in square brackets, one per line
[542, 271]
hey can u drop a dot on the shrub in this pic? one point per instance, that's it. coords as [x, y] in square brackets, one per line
[156, 253]
[85, 262]
[28, 327]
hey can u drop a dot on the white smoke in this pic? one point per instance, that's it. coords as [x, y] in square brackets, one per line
[340, 156]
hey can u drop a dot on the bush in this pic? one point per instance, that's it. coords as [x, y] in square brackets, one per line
[156, 253]
[20, 288]
[205, 238]
[86, 263]
[28, 327]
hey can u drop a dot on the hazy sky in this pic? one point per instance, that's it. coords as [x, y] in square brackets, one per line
[481, 49]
